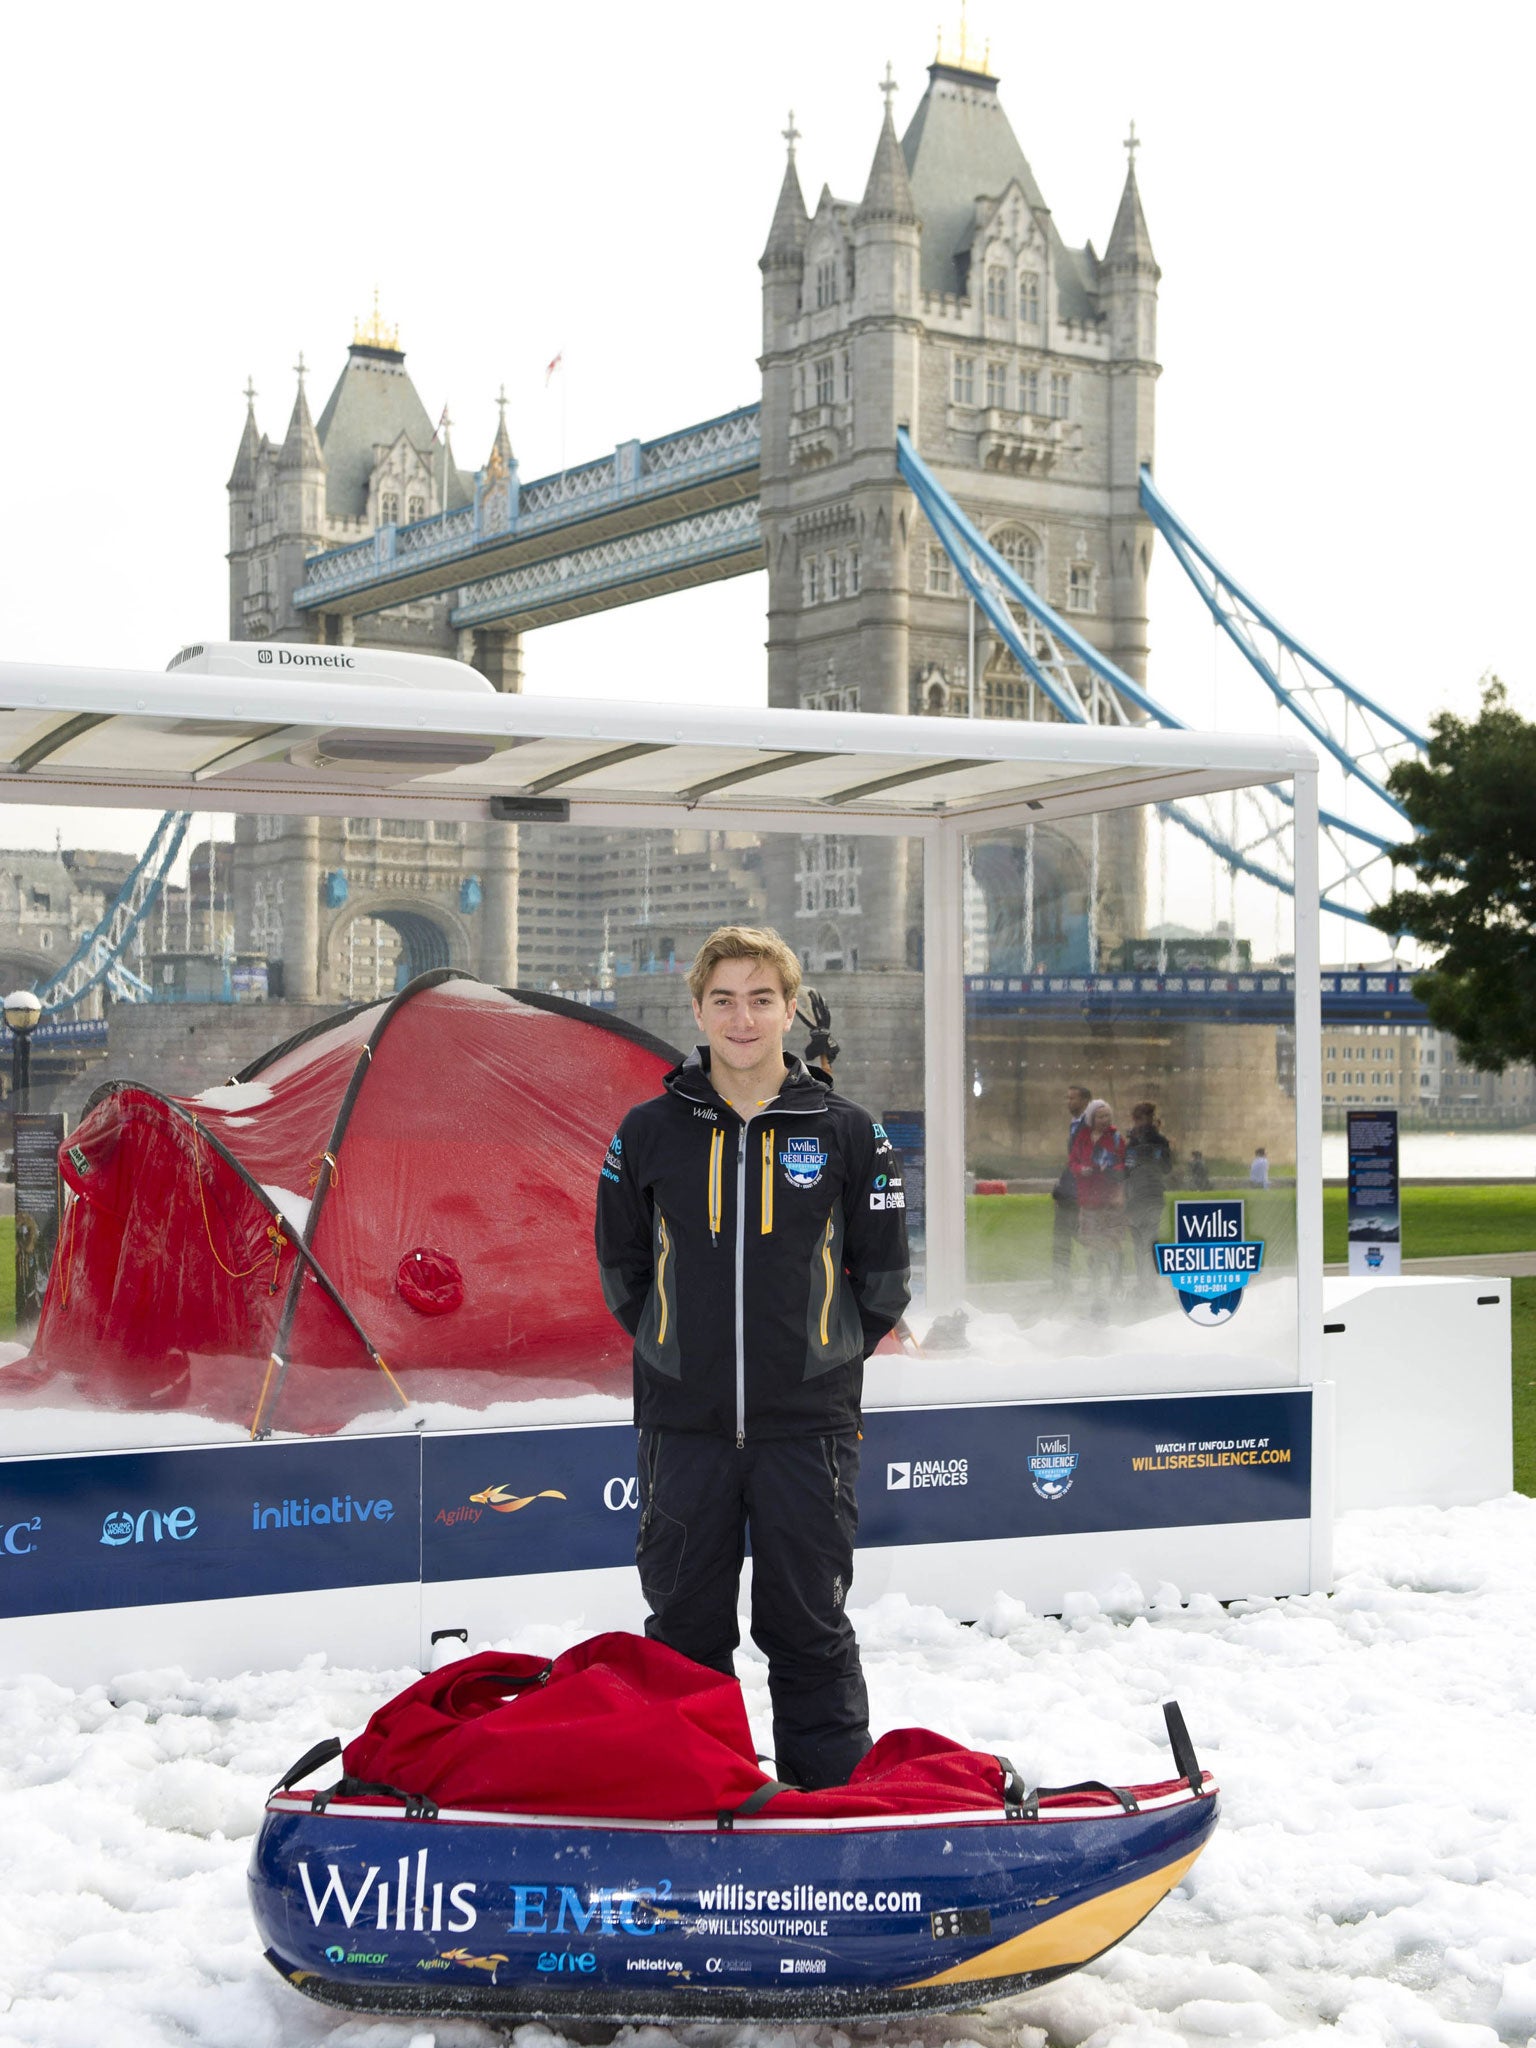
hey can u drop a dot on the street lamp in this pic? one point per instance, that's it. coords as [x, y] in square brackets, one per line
[23, 1012]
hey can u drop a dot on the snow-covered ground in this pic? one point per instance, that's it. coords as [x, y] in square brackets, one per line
[1374, 1880]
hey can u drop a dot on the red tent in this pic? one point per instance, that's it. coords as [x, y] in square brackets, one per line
[395, 1205]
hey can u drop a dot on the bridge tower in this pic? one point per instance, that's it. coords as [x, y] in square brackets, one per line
[340, 909]
[947, 301]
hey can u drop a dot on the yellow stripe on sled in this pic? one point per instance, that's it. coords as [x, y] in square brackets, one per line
[1072, 1937]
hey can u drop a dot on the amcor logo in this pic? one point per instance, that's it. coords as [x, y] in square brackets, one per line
[148, 1526]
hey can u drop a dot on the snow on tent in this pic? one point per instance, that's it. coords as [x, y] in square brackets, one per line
[394, 1206]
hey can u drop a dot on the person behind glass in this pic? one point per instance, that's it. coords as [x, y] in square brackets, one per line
[1064, 1196]
[1199, 1172]
[1258, 1173]
[1148, 1170]
[1097, 1165]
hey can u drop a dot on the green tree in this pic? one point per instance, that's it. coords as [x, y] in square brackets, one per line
[1473, 800]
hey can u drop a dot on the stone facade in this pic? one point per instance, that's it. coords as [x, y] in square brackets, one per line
[947, 302]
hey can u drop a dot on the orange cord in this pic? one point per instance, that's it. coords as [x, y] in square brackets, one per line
[316, 1164]
[275, 1236]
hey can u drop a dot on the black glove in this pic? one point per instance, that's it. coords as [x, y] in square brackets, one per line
[820, 1045]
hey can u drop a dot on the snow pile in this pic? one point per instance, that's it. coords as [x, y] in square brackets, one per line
[1373, 1881]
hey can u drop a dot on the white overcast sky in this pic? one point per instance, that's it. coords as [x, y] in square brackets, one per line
[1338, 195]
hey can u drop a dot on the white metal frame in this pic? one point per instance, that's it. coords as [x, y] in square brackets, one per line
[74, 735]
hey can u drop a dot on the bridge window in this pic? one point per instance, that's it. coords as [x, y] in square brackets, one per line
[45, 940]
[826, 281]
[1061, 396]
[812, 580]
[855, 573]
[825, 384]
[834, 577]
[1029, 297]
[389, 509]
[1007, 697]
[964, 387]
[997, 384]
[416, 508]
[1080, 587]
[847, 378]
[1029, 391]
[997, 292]
[941, 574]
[1019, 550]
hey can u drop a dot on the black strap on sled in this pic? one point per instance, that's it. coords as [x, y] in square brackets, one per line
[417, 1805]
[1030, 1810]
[1015, 1798]
[754, 1802]
[1185, 1761]
[311, 1760]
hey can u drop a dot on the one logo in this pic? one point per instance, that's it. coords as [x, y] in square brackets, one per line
[1210, 1261]
[264, 656]
[898, 1477]
[150, 1526]
[803, 1162]
[585, 1962]
[501, 1502]
[1053, 1467]
[622, 1493]
[17, 1540]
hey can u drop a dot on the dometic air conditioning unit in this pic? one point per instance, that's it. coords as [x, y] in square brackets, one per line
[360, 752]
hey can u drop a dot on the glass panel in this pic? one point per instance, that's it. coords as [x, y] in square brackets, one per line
[232, 1080]
[1119, 962]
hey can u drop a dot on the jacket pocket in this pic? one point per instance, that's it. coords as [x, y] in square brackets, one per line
[656, 1338]
[833, 1333]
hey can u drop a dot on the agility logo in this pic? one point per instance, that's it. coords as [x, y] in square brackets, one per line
[803, 1162]
[1053, 1467]
[1210, 1261]
[501, 1502]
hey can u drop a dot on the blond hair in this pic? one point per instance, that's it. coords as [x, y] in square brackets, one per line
[744, 942]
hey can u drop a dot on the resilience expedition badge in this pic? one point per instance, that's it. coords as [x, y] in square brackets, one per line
[1210, 1261]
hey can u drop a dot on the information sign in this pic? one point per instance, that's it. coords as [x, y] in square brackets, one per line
[1375, 1200]
[38, 1200]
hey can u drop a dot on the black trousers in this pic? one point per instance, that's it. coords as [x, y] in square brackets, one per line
[1063, 1237]
[698, 1497]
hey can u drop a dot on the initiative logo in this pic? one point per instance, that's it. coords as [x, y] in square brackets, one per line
[1053, 1467]
[803, 1162]
[1210, 1261]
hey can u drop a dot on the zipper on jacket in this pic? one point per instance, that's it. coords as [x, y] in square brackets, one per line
[766, 1203]
[661, 1278]
[741, 1312]
[716, 1166]
[826, 1306]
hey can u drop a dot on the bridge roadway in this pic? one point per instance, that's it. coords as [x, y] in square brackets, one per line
[1242, 998]
[652, 517]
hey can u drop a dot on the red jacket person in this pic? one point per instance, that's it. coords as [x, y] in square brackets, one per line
[751, 1234]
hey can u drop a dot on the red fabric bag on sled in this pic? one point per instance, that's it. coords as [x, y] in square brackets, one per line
[622, 1728]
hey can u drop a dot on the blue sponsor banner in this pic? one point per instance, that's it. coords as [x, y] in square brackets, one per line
[146, 1528]
[950, 1475]
[527, 1500]
[153, 1527]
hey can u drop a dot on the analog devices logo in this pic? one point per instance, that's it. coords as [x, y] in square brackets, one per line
[898, 1477]
[911, 1473]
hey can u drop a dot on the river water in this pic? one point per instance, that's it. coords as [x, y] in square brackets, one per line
[1449, 1155]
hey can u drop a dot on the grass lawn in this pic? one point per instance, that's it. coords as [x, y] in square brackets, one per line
[1011, 1234]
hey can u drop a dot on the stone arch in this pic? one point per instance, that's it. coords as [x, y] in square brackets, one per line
[381, 943]
[1059, 919]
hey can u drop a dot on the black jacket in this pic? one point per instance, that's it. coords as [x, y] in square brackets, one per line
[756, 1265]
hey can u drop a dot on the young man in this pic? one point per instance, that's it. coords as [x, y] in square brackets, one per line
[751, 1234]
[1064, 1195]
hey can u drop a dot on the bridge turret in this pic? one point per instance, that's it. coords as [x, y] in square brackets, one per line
[253, 455]
[1128, 281]
[300, 492]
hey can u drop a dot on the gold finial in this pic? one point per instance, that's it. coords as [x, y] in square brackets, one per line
[958, 57]
[375, 334]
